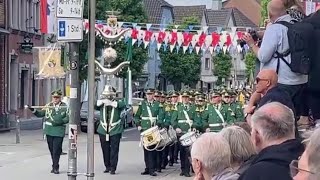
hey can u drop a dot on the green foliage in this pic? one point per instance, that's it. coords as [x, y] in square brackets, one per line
[250, 61]
[264, 10]
[130, 11]
[181, 67]
[222, 66]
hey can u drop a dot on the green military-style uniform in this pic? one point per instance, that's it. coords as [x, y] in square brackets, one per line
[106, 112]
[144, 119]
[237, 109]
[215, 116]
[56, 117]
[200, 109]
[110, 129]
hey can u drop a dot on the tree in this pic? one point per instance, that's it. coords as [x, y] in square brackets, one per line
[250, 61]
[222, 66]
[181, 67]
[264, 10]
[130, 11]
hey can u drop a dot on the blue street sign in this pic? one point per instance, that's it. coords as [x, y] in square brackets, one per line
[62, 28]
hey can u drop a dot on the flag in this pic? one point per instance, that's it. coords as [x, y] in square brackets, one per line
[48, 16]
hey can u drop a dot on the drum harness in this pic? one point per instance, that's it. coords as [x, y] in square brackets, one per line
[108, 125]
[220, 116]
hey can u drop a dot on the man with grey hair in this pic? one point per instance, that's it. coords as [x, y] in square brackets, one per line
[308, 167]
[274, 139]
[211, 156]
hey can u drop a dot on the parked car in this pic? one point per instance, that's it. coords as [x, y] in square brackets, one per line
[84, 117]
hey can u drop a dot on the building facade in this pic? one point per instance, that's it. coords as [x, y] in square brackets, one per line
[22, 88]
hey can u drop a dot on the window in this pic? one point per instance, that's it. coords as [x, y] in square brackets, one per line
[14, 14]
[207, 63]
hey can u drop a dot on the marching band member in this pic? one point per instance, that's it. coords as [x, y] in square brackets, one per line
[110, 128]
[236, 107]
[183, 121]
[215, 115]
[174, 150]
[145, 118]
[200, 108]
[55, 118]
[166, 123]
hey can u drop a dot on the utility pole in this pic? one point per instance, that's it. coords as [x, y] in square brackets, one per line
[91, 93]
[74, 111]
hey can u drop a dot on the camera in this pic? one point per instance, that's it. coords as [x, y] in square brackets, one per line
[254, 36]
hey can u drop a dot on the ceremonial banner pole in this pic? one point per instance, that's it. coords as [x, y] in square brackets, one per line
[91, 93]
[129, 75]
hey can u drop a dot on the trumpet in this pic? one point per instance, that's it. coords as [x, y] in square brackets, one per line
[43, 107]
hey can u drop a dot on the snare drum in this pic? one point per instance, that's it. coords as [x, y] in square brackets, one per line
[188, 139]
[172, 135]
[151, 137]
[165, 140]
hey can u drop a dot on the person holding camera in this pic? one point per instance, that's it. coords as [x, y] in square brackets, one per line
[275, 42]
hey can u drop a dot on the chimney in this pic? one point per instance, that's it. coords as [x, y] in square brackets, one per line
[216, 4]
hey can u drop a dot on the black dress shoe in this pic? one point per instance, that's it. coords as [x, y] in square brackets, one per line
[106, 171]
[55, 171]
[145, 173]
[187, 174]
[170, 164]
[159, 170]
[51, 171]
[153, 174]
[112, 172]
[64, 153]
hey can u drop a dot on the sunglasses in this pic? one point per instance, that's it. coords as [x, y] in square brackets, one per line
[294, 170]
[261, 79]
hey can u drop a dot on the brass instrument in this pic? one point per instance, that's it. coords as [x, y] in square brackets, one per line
[43, 107]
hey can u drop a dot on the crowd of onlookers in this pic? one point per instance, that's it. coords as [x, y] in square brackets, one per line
[268, 146]
[270, 152]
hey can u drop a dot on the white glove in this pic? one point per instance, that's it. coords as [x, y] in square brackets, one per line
[139, 128]
[114, 104]
[178, 130]
[99, 102]
[208, 130]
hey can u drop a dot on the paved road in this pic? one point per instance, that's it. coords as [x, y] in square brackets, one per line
[30, 159]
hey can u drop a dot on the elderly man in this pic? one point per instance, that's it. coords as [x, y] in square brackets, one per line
[275, 41]
[308, 167]
[211, 156]
[274, 139]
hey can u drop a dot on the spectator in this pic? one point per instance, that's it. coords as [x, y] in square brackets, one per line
[210, 155]
[242, 148]
[275, 40]
[308, 167]
[273, 136]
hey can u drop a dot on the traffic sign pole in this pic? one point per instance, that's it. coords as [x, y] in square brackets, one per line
[70, 29]
[74, 111]
[91, 94]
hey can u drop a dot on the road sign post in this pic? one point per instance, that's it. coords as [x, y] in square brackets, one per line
[70, 29]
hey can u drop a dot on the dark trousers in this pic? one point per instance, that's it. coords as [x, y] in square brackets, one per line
[55, 147]
[165, 155]
[184, 158]
[172, 153]
[176, 151]
[159, 160]
[110, 150]
[150, 159]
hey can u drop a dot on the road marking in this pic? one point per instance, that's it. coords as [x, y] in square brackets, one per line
[131, 129]
[7, 153]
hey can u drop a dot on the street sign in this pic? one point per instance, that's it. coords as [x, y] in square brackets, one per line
[70, 8]
[70, 30]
